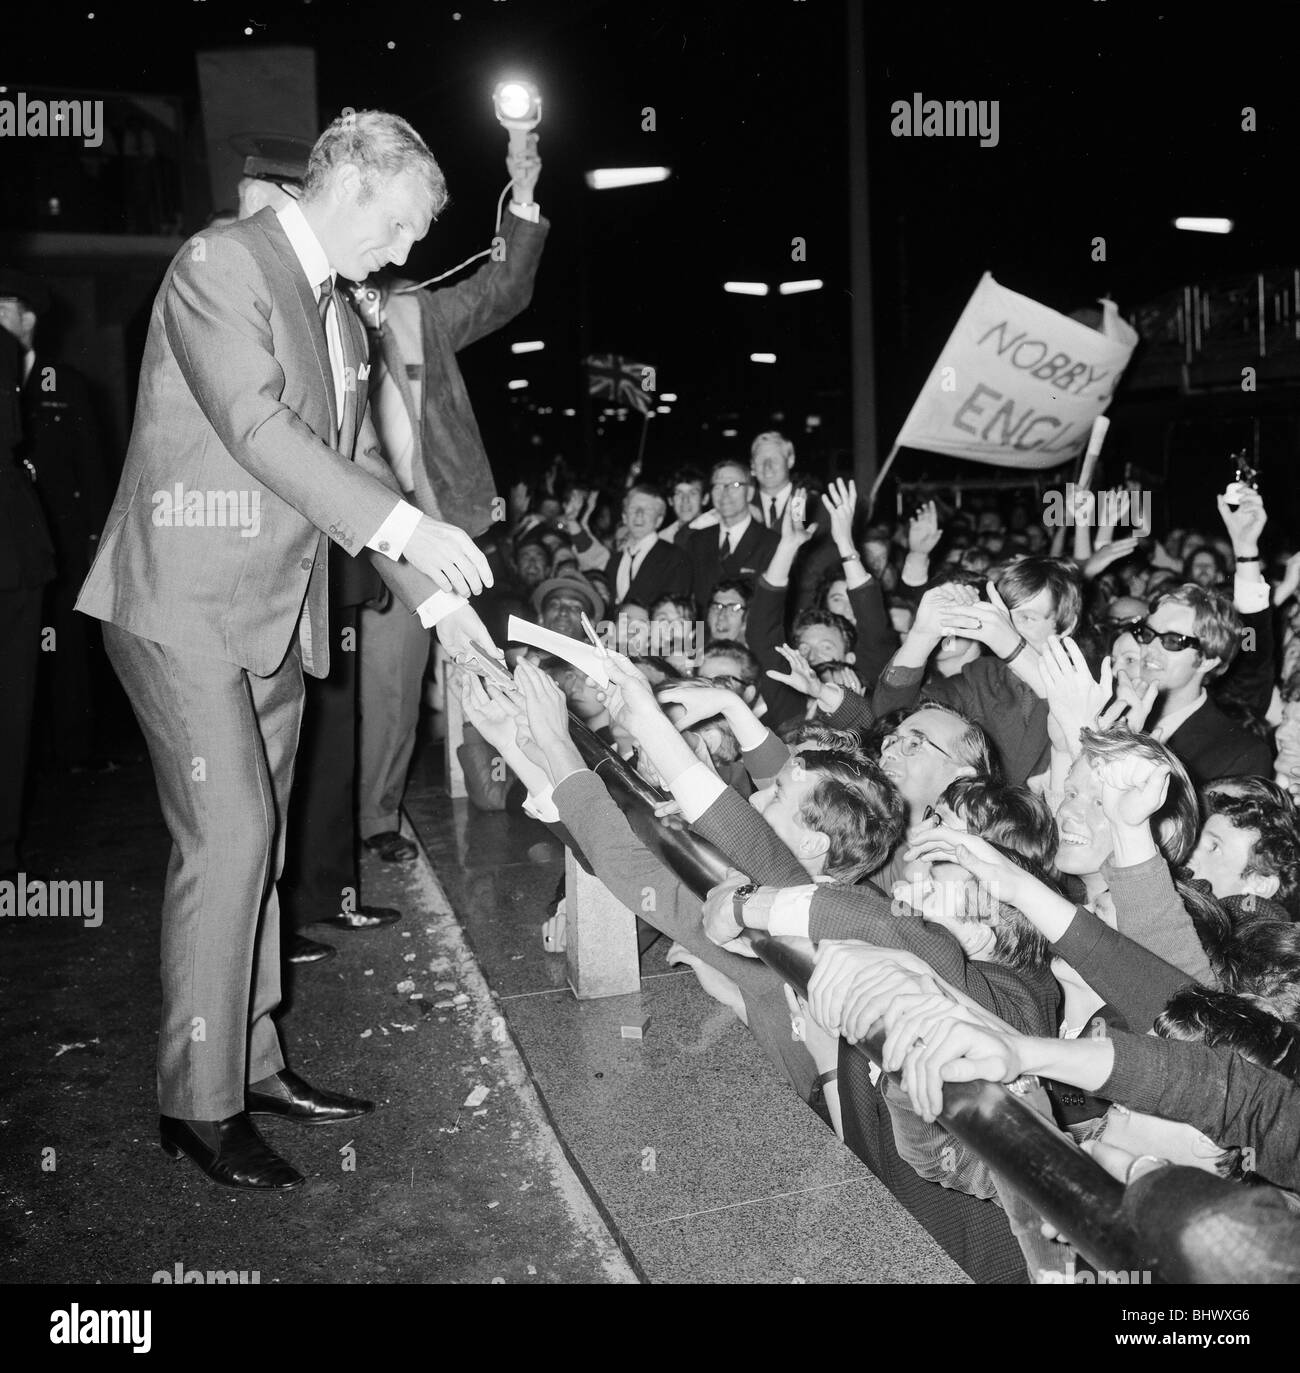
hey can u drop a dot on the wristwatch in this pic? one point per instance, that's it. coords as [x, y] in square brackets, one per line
[738, 899]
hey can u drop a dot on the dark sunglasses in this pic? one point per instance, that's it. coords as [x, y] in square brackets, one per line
[1172, 643]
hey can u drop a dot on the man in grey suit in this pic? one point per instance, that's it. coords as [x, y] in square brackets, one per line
[250, 449]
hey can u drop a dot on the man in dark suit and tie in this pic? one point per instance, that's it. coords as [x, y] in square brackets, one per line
[648, 569]
[771, 460]
[250, 451]
[740, 546]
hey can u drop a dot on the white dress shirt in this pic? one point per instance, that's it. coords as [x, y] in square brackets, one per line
[731, 537]
[630, 564]
[777, 499]
[395, 533]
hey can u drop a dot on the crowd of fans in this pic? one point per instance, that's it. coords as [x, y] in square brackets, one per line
[1033, 804]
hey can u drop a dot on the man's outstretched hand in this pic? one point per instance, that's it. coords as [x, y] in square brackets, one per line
[447, 555]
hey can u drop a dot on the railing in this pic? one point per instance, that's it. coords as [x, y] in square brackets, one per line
[1056, 1177]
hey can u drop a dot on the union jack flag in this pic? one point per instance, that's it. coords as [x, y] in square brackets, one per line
[621, 381]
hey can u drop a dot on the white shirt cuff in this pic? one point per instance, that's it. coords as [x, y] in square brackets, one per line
[531, 212]
[542, 807]
[750, 732]
[394, 534]
[1250, 597]
[696, 790]
[791, 909]
[438, 607]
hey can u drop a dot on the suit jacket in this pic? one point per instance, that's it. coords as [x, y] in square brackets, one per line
[453, 478]
[26, 553]
[61, 443]
[1210, 745]
[665, 571]
[745, 562]
[236, 398]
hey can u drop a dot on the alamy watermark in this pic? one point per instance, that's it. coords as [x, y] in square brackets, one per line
[178, 507]
[27, 118]
[919, 118]
[22, 896]
[180, 1274]
[1123, 509]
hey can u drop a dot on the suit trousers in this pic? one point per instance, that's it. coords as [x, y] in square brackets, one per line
[20, 649]
[322, 859]
[394, 655]
[223, 743]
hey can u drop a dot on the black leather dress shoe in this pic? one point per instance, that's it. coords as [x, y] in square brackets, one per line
[299, 949]
[286, 1095]
[391, 846]
[241, 1157]
[363, 918]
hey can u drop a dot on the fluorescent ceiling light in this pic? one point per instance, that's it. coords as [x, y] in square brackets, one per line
[746, 288]
[762, 357]
[796, 288]
[518, 384]
[1203, 226]
[668, 397]
[612, 178]
[532, 346]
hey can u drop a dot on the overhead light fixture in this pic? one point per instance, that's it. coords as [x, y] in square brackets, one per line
[570, 413]
[1202, 225]
[668, 397]
[663, 409]
[729, 433]
[518, 384]
[762, 357]
[531, 346]
[797, 288]
[746, 288]
[612, 178]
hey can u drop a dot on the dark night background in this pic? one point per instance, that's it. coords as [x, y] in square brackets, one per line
[1114, 117]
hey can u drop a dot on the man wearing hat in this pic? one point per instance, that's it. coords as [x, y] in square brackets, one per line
[561, 602]
[26, 565]
[250, 452]
[321, 883]
[61, 448]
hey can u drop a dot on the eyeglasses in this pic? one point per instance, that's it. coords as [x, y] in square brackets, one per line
[729, 486]
[726, 607]
[910, 743]
[1171, 642]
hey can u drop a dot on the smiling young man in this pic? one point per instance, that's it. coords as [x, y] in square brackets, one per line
[1190, 638]
[648, 569]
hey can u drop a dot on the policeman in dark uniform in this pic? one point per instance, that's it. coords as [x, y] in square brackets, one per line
[26, 566]
[321, 881]
[61, 448]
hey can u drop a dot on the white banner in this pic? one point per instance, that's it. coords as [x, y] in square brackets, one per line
[1017, 384]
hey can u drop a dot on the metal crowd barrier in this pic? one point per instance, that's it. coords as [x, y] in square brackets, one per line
[1056, 1177]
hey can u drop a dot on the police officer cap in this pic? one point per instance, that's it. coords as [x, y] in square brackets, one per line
[273, 156]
